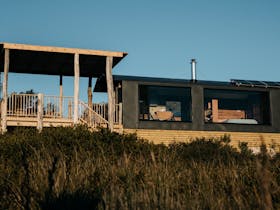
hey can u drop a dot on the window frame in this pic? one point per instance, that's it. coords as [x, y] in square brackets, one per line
[165, 86]
[268, 105]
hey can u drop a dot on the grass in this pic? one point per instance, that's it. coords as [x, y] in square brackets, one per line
[65, 168]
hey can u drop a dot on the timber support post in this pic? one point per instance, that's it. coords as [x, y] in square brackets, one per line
[89, 97]
[110, 90]
[120, 114]
[40, 112]
[5, 92]
[76, 87]
[60, 96]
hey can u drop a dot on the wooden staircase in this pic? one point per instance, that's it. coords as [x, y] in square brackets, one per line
[90, 117]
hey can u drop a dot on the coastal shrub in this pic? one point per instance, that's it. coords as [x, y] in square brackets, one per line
[74, 168]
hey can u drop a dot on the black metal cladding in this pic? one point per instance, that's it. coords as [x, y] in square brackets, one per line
[130, 99]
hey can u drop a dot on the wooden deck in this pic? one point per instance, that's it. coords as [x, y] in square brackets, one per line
[38, 110]
[53, 122]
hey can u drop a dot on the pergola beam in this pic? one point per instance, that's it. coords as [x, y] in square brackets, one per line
[13, 46]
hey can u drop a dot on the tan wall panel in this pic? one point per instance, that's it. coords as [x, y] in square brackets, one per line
[171, 136]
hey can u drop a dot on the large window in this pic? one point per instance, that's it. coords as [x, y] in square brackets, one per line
[164, 103]
[240, 107]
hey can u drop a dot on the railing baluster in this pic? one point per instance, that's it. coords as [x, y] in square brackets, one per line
[28, 104]
[21, 104]
[9, 105]
[29, 109]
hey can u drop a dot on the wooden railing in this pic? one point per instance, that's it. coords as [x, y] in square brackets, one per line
[44, 106]
[89, 116]
[58, 107]
[102, 110]
[22, 105]
[26, 105]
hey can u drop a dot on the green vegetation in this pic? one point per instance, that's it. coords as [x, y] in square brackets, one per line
[65, 168]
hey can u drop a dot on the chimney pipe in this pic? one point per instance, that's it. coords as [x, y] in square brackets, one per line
[193, 64]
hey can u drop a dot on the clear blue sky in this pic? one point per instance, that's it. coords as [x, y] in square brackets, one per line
[230, 39]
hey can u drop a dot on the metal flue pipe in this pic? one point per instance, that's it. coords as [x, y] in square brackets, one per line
[193, 66]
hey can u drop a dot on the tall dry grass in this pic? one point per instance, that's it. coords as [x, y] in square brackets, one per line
[64, 168]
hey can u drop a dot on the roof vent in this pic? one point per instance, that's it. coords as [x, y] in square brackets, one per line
[193, 65]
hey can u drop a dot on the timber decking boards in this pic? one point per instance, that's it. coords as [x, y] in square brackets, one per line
[48, 122]
[33, 121]
[172, 136]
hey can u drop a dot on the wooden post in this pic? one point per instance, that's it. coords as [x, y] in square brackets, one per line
[76, 88]
[60, 96]
[120, 113]
[90, 97]
[90, 92]
[5, 92]
[117, 95]
[70, 109]
[40, 112]
[110, 90]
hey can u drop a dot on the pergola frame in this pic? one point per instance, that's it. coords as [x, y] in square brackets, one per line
[31, 59]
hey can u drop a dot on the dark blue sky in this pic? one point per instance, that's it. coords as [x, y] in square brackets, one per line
[230, 39]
